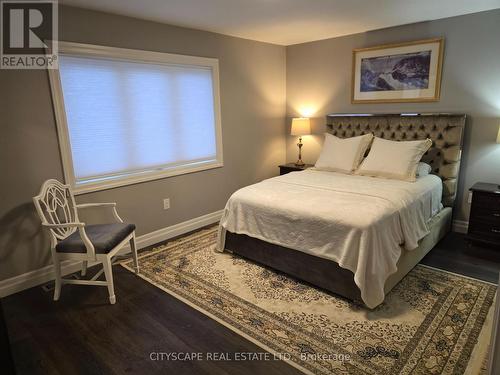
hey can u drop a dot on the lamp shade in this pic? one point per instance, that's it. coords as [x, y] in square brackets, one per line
[498, 136]
[301, 126]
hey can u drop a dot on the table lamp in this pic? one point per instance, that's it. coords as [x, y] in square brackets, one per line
[300, 126]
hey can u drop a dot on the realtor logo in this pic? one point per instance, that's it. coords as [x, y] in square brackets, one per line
[29, 35]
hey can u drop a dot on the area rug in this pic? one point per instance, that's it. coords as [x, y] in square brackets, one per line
[432, 322]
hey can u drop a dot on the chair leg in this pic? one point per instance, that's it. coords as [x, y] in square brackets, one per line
[57, 272]
[108, 272]
[84, 267]
[133, 247]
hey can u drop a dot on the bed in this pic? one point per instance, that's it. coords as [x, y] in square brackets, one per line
[355, 236]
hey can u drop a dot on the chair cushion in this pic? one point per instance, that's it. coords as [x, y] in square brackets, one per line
[104, 237]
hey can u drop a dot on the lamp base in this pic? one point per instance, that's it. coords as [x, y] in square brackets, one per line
[299, 163]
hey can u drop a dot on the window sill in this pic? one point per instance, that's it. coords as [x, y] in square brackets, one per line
[136, 179]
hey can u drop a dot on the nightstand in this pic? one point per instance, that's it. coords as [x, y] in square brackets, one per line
[484, 220]
[291, 167]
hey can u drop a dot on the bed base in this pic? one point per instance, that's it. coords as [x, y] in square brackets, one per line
[326, 274]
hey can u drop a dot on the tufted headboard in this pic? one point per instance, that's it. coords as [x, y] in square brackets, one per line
[445, 129]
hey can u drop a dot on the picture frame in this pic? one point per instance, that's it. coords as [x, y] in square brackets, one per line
[403, 72]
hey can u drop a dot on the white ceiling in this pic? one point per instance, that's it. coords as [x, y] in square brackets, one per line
[288, 22]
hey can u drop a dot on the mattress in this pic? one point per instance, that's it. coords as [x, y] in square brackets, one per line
[362, 223]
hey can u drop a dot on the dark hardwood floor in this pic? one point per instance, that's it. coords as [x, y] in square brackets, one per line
[83, 334]
[457, 255]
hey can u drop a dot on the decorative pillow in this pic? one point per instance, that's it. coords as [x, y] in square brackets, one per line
[343, 155]
[423, 169]
[393, 159]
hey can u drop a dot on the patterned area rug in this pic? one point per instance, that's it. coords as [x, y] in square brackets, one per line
[433, 322]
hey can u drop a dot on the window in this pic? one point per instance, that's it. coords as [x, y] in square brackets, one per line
[127, 116]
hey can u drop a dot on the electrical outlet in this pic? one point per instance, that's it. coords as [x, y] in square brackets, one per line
[166, 203]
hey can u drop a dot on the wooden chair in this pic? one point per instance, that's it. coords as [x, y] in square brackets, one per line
[73, 240]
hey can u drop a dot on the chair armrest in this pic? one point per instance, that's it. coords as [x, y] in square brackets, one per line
[91, 205]
[81, 231]
[102, 205]
[63, 225]
[88, 244]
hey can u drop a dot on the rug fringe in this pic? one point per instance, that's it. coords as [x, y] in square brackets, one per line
[481, 351]
[457, 274]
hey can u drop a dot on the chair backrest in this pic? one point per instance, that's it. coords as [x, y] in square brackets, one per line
[55, 204]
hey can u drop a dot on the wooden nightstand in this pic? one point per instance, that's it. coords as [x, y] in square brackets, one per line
[484, 220]
[291, 167]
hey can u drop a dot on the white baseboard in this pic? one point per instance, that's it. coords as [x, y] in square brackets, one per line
[460, 226]
[45, 274]
[177, 229]
[40, 276]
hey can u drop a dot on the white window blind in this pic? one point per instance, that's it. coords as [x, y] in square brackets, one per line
[129, 120]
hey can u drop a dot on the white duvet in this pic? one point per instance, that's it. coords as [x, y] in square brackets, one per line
[360, 222]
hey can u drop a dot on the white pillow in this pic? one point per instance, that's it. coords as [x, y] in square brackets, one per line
[393, 159]
[423, 169]
[343, 155]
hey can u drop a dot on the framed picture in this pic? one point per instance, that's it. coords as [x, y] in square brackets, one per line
[406, 72]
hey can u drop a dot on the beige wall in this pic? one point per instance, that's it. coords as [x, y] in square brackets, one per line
[319, 81]
[252, 81]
